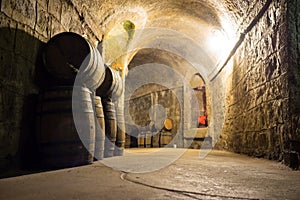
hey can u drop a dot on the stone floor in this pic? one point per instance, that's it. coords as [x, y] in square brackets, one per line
[173, 174]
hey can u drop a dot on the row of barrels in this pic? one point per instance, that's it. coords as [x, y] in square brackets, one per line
[149, 136]
[156, 139]
[76, 121]
[72, 60]
[77, 130]
[68, 56]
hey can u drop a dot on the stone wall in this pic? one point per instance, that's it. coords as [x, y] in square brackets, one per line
[294, 55]
[256, 106]
[25, 27]
[157, 105]
[257, 101]
[293, 59]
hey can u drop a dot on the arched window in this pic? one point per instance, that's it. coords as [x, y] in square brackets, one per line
[198, 102]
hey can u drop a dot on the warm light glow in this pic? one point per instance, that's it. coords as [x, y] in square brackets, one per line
[216, 40]
[218, 43]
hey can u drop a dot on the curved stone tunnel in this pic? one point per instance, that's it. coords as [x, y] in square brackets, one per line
[246, 53]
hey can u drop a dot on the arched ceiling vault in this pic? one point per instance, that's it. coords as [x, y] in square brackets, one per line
[198, 20]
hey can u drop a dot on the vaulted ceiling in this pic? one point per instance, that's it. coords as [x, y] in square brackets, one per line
[200, 31]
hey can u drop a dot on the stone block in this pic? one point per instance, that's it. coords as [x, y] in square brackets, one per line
[25, 12]
[76, 26]
[262, 141]
[67, 14]
[275, 42]
[274, 140]
[56, 27]
[7, 7]
[259, 95]
[283, 34]
[43, 3]
[55, 8]
[238, 123]
[268, 114]
[43, 21]
[273, 89]
[92, 24]
[249, 121]
[272, 68]
[245, 104]
[237, 142]
[257, 74]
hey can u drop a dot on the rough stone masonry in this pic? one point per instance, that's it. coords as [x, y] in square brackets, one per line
[257, 105]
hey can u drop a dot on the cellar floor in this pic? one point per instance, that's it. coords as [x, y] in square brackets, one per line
[194, 175]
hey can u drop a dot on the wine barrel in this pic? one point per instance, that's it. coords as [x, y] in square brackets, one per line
[148, 139]
[132, 132]
[120, 138]
[127, 140]
[92, 71]
[100, 129]
[166, 136]
[168, 124]
[59, 144]
[110, 127]
[165, 139]
[112, 84]
[84, 117]
[155, 139]
[67, 54]
[141, 140]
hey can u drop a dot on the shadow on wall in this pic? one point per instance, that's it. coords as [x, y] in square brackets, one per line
[22, 76]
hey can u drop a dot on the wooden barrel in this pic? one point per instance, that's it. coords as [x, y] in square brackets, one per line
[141, 140]
[168, 124]
[110, 127]
[112, 86]
[132, 132]
[67, 54]
[165, 139]
[100, 129]
[127, 140]
[148, 138]
[59, 144]
[92, 71]
[155, 139]
[84, 117]
[120, 139]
